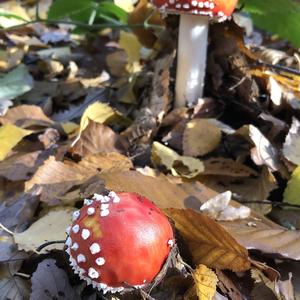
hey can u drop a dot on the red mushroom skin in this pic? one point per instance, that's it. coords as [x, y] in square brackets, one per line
[118, 241]
[220, 9]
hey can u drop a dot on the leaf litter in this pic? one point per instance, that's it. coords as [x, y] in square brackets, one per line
[83, 113]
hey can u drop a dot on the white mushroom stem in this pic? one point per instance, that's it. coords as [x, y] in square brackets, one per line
[191, 59]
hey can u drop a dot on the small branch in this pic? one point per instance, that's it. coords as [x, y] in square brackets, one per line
[41, 247]
[6, 229]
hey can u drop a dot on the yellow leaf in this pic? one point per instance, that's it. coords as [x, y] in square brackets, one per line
[101, 113]
[206, 282]
[69, 127]
[179, 165]
[129, 42]
[10, 136]
[208, 242]
[292, 191]
[127, 5]
[51, 227]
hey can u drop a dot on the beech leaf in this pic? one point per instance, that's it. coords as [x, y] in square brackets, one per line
[208, 242]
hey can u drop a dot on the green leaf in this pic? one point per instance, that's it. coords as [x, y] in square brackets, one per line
[15, 83]
[281, 17]
[87, 10]
[292, 191]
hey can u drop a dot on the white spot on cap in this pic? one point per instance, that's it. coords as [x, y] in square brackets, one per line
[95, 248]
[68, 229]
[75, 246]
[85, 234]
[93, 273]
[81, 258]
[91, 211]
[75, 228]
[75, 215]
[106, 199]
[87, 202]
[104, 213]
[100, 261]
[114, 197]
[98, 197]
[170, 242]
[104, 206]
[68, 241]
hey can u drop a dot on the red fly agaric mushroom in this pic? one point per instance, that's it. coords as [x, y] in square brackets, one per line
[192, 42]
[118, 241]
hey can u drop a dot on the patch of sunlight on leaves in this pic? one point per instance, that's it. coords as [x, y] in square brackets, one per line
[127, 5]
[15, 83]
[184, 166]
[292, 191]
[12, 14]
[10, 136]
[50, 227]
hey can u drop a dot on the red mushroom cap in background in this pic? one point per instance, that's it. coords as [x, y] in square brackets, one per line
[118, 241]
[220, 9]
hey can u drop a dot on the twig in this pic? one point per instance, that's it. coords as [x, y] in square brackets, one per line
[6, 229]
[41, 247]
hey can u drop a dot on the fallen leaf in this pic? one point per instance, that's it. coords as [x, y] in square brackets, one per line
[14, 288]
[226, 167]
[11, 58]
[208, 242]
[98, 138]
[22, 166]
[206, 282]
[129, 42]
[178, 165]
[200, 137]
[291, 193]
[21, 114]
[268, 239]
[15, 83]
[10, 136]
[102, 113]
[291, 147]
[9, 250]
[50, 227]
[50, 281]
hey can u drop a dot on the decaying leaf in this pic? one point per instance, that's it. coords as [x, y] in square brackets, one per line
[178, 165]
[219, 208]
[292, 191]
[200, 137]
[50, 281]
[26, 115]
[14, 288]
[10, 136]
[206, 282]
[50, 227]
[98, 138]
[291, 147]
[227, 167]
[208, 242]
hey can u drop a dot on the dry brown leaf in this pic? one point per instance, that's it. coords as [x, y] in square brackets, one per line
[22, 166]
[98, 138]
[200, 137]
[276, 240]
[226, 167]
[117, 63]
[20, 115]
[249, 188]
[109, 162]
[206, 282]
[163, 193]
[208, 242]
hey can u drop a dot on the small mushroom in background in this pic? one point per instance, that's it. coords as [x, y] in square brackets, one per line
[119, 242]
[192, 42]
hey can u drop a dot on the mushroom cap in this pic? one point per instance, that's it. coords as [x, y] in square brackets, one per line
[220, 9]
[118, 241]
